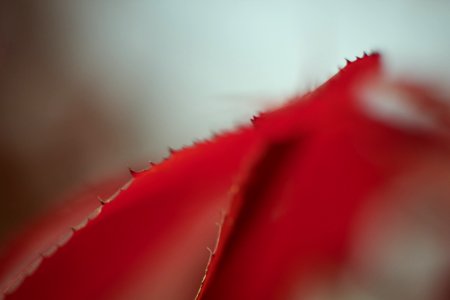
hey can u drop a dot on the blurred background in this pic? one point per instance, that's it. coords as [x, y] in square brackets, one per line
[89, 88]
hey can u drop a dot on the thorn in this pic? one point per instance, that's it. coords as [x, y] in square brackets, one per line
[102, 202]
[152, 164]
[133, 173]
[198, 141]
[172, 151]
[348, 62]
[365, 54]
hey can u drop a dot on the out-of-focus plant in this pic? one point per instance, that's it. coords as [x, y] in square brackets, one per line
[55, 131]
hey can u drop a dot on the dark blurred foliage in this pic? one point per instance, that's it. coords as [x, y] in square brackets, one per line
[54, 133]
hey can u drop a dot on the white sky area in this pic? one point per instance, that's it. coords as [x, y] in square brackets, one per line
[190, 68]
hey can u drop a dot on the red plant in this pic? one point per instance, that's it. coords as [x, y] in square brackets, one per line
[309, 199]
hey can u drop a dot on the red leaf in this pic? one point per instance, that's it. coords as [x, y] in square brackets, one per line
[298, 178]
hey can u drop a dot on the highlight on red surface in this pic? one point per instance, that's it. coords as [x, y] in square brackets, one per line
[342, 192]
